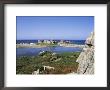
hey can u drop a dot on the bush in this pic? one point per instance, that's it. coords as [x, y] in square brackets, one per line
[63, 63]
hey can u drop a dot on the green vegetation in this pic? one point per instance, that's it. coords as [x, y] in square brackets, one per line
[63, 63]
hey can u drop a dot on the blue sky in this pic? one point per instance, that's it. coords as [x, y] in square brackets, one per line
[54, 27]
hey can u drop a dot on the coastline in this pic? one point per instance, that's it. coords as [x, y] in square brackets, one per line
[29, 46]
[42, 46]
[72, 45]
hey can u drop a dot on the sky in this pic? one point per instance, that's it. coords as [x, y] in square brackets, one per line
[54, 27]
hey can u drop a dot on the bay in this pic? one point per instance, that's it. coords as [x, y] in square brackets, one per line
[55, 49]
[36, 51]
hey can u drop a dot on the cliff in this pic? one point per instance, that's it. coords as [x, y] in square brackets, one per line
[86, 58]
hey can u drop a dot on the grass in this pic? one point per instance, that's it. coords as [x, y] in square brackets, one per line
[63, 63]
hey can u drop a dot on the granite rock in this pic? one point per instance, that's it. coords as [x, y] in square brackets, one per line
[86, 58]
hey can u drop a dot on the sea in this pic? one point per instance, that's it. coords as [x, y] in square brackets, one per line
[56, 49]
[36, 41]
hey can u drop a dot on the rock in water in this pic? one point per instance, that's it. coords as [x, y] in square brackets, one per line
[86, 58]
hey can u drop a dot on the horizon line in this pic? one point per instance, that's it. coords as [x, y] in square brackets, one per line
[50, 39]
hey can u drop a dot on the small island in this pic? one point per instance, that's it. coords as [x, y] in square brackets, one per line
[46, 43]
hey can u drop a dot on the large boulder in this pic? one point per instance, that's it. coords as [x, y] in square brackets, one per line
[86, 58]
[90, 39]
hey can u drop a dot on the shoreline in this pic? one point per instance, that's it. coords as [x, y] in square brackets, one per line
[29, 46]
[72, 45]
[42, 46]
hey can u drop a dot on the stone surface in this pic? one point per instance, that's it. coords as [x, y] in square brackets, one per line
[35, 72]
[90, 39]
[86, 58]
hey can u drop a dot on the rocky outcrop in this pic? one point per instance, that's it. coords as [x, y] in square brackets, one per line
[86, 58]
[36, 72]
